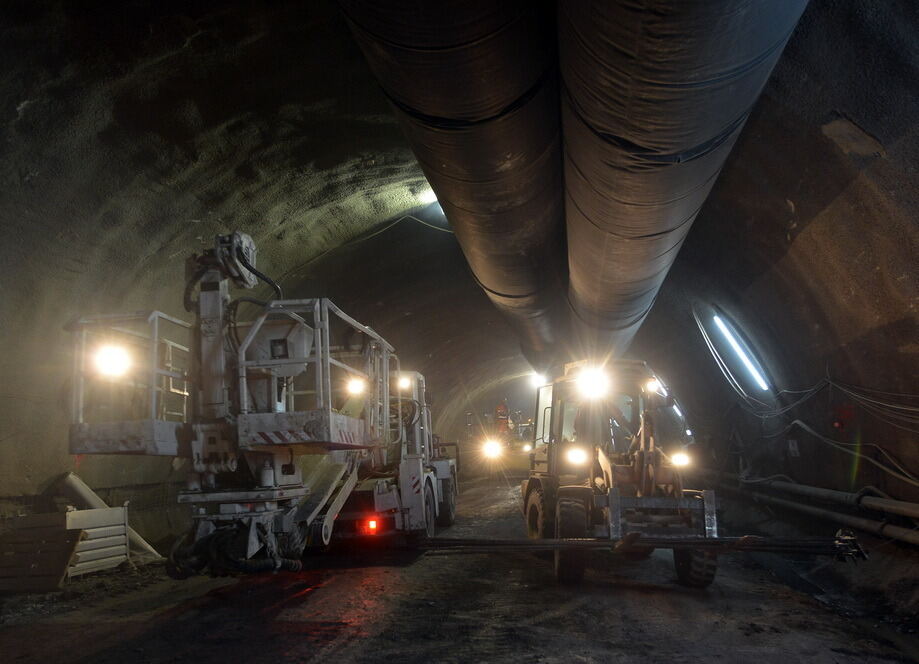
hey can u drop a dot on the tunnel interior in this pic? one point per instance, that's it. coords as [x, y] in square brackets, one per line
[133, 133]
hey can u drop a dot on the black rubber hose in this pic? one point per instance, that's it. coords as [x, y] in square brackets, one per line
[268, 280]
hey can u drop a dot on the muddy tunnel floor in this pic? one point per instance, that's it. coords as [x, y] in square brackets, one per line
[410, 607]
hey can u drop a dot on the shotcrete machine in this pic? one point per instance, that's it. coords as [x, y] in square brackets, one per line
[293, 424]
[609, 448]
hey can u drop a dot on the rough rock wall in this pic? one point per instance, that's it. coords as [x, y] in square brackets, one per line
[130, 134]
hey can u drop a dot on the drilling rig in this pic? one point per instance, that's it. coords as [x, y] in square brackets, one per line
[295, 425]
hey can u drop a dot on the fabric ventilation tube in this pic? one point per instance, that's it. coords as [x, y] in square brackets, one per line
[654, 95]
[473, 84]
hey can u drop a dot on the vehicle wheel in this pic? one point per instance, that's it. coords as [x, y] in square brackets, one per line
[537, 517]
[695, 568]
[571, 522]
[639, 553]
[447, 515]
[430, 511]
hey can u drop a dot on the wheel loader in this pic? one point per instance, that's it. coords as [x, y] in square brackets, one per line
[608, 450]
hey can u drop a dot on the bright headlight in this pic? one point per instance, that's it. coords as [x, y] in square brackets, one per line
[576, 456]
[492, 449]
[593, 383]
[356, 386]
[655, 386]
[537, 380]
[112, 361]
[527, 448]
[405, 382]
[680, 459]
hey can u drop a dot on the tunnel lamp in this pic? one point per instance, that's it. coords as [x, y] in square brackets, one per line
[537, 380]
[688, 432]
[492, 449]
[676, 409]
[405, 382]
[747, 362]
[680, 459]
[112, 361]
[576, 456]
[356, 386]
[593, 383]
[427, 197]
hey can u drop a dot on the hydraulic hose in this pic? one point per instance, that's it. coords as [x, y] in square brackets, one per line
[268, 280]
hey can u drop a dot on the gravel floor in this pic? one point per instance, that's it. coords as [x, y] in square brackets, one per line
[408, 607]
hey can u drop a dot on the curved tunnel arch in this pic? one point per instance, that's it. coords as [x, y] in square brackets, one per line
[118, 166]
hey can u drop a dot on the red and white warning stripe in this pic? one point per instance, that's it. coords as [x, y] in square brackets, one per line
[416, 484]
[280, 437]
[346, 437]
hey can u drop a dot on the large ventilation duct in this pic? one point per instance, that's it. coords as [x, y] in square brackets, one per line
[473, 84]
[654, 95]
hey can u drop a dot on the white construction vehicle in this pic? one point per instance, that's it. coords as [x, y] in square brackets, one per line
[296, 425]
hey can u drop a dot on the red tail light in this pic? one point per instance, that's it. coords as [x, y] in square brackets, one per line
[370, 526]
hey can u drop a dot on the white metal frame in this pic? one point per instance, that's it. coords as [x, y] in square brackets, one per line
[113, 323]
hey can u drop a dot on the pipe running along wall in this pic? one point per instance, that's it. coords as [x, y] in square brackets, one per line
[473, 84]
[654, 95]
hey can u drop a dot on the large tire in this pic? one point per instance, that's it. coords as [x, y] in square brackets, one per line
[539, 525]
[571, 522]
[430, 511]
[695, 568]
[447, 516]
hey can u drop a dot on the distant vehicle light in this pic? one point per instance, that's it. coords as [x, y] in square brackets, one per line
[680, 459]
[112, 361]
[747, 362]
[593, 383]
[404, 382]
[356, 386]
[537, 380]
[492, 449]
[576, 456]
[527, 448]
[688, 432]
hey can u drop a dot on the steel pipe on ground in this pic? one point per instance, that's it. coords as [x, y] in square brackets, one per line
[867, 525]
[887, 505]
[653, 97]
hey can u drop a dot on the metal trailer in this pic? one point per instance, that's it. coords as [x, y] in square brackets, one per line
[282, 420]
[605, 473]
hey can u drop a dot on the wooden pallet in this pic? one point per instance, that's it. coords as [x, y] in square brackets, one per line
[39, 552]
[36, 559]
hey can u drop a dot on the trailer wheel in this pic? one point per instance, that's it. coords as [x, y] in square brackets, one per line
[695, 568]
[447, 516]
[430, 511]
[571, 522]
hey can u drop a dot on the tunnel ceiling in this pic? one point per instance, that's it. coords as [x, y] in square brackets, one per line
[131, 133]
